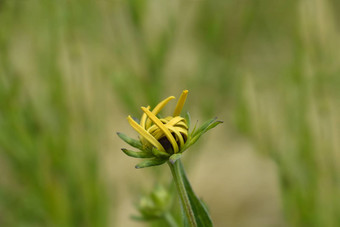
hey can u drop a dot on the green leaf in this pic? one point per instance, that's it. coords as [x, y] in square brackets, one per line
[134, 143]
[150, 162]
[201, 213]
[210, 124]
[135, 154]
[213, 125]
[204, 126]
[193, 132]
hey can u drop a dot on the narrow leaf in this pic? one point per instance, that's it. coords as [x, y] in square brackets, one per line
[201, 213]
[204, 126]
[150, 162]
[193, 131]
[132, 142]
[203, 129]
[135, 154]
[213, 125]
[194, 140]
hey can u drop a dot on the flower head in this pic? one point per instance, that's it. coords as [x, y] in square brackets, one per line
[163, 138]
[165, 134]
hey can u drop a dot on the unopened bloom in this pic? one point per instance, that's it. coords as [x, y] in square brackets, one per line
[167, 134]
[163, 138]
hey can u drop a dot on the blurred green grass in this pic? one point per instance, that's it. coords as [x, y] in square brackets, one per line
[69, 69]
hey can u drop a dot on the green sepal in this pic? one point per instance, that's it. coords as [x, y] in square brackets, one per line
[134, 143]
[139, 154]
[213, 125]
[193, 131]
[203, 127]
[173, 158]
[195, 135]
[150, 162]
[194, 139]
[160, 154]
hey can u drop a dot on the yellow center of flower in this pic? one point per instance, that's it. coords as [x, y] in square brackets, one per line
[166, 134]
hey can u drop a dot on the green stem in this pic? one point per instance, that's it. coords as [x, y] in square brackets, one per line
[183, 195]
[170, 220]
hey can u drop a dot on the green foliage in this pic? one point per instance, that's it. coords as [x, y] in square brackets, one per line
[155, 205]
[200, 211]
[132, 142]
[134, 154]
[205, 127]
[150, 162]
[49, 140]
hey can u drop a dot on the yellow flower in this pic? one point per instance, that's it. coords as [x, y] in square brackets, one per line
[164, 139]
[167, 134]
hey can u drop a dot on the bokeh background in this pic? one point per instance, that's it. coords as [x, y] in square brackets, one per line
[71, 71]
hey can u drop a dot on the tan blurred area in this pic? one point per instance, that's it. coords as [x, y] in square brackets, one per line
[71, 72]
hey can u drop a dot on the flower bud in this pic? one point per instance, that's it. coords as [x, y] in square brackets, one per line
[162, 138]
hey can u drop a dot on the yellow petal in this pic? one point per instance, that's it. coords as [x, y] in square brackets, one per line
[155, 132]
[145, 134]
[158, 134]
[158, 108]
[163, 128]
[180, 103]
[143, 119]
[182, 124]
[178, 135]
[174, 121]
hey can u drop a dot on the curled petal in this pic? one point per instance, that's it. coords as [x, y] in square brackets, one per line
[156, 132]
[158, 108]
[178, 135]
[143, 119]
[180, 103]
[162, 127]
[174, 121]
[183, 131]
[145, 134]
[182, 124]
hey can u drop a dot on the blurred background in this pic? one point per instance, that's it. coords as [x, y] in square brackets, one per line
[71, 71]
